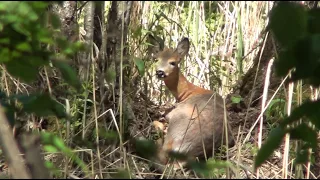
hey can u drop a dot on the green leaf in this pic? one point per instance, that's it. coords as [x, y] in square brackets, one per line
[288, 22]
[212, 163]
[140, 65]
[24, 9]
[41, 105]
[108, 135]
[52, 140]
[5, 55]
[146, 148]
[210, 168]
[273, 142]
[304, 133]
[302, 155]
[236, 99]
[39, 5]
[215, 166]
[4, 5]
[6, 41]
[177, 155]
[3, 95]
[55, 21]
[50, 149]
[22, 69]
[44, 36]
[304, 57]
[200, 168]
[68, 74]
[309, 109]
[62, 42]
[24, 46]
[110, 75]
[57, 142]
[121, 174]
[53, 169]
[78, 46]
[46, 138]
[314, 21]
[273, 102]
[12, 18]
[137, 32]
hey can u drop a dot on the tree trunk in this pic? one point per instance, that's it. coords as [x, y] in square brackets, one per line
[117, 31]
[85, 58]
[67, 13]
[246, 86]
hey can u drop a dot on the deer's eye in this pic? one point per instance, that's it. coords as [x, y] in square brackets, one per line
[172, 63]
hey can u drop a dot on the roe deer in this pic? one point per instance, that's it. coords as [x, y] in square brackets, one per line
[196, 123]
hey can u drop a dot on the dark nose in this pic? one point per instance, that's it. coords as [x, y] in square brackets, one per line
[160, 74]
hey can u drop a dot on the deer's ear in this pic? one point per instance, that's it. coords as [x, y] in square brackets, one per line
[183, 47]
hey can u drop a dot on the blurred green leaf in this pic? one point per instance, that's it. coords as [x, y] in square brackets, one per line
[110, 75]
[68, 74]
[146, 148]
[44, 36]
[303, 57]
[4, 54]
[140, 65]
[3, 95]
[288, 22]
[50, 139]
[53, 169]
[302, 156]
[309, 109]
[39, 5]
[273, 141]
[4, 5]
[50, 149]
[22, 69]
[304, 133]
[62, 42]
[213, 164]
[6, 41]
[25, 10]
[209, 168]
[41, 105]
[11, 18]
[280, 102]
[108, 134]
[177, 155]
[24, 46]
[236, 99]
[55, 21]
[59, 144]
[137, 32]
[200, 168]
[314, 21]
[121, 174]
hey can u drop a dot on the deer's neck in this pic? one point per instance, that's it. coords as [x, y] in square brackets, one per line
[181, 88]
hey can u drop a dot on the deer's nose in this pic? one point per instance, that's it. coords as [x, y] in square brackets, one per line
[160, 74]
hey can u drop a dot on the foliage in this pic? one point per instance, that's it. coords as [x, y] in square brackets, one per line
[297, 31]
[54, 144]
[27, 33]
[276, 109]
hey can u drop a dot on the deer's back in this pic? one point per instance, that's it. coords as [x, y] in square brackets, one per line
[196, 120]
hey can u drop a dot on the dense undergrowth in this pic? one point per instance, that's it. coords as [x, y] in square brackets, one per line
[40, 90]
